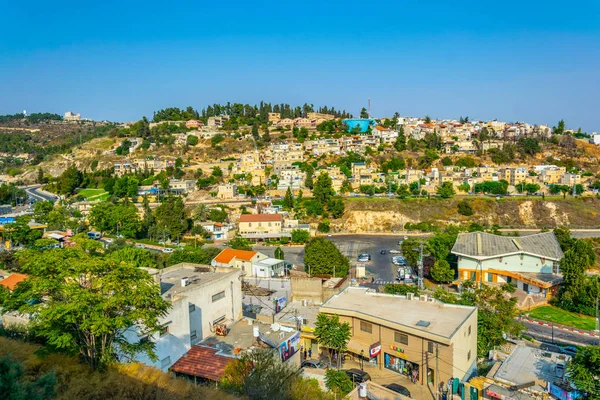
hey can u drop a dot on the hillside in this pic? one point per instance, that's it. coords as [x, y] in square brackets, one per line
[124, 381]
[385, 215]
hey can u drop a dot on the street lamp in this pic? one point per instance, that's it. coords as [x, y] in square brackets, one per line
[362, 359]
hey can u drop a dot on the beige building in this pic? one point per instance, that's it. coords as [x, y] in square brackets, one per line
[570, 179]
[514, 176]
[260, 224]
[71, 116]
[182, 186]
[417, 337]
[217, 122]
[274, 117]
[227, 191]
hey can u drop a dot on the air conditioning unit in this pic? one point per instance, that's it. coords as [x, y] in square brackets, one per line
[409, 296]
[184, 281]
[422, 297]
[431, 299]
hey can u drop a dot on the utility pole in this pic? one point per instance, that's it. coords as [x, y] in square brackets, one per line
[437, 369]
[597, 318]
[420, 265]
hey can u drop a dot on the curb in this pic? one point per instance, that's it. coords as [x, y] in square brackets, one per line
[561, 327]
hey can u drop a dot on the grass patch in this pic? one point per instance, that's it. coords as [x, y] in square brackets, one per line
[563, 317]
[94, 194]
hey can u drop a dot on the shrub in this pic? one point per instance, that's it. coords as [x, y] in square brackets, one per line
[464, 208]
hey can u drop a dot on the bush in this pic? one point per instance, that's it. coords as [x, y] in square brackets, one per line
[441, 272]
[323, 227]
[464, 208]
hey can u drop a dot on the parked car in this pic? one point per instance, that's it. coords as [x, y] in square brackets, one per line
[167, 250]
[559, 369]
[357, 375]
[140, 246]
[398, 389]
[312, 364]
[383, 251]
[365, 255]
[400, 242]
[395, 252]
[94, 235]
[569, 350]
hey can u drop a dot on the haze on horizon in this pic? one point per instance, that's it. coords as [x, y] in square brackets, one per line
[532, 61]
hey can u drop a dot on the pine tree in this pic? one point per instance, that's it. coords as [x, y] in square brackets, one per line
[288, 200]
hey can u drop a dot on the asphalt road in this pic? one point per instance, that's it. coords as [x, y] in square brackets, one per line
[544, 333]
[36, 193]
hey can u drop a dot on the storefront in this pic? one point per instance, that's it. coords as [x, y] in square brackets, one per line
[397, 362]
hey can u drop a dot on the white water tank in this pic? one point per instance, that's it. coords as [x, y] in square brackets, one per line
[255, 332]
[184, 281]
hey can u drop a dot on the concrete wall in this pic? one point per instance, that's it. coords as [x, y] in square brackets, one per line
[306, 288]
[516, 263]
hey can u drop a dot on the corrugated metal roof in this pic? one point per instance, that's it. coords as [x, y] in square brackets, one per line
[486, 245]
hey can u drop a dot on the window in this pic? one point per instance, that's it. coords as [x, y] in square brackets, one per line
[473, 276]
[366, 327]
[192, 308]
[469, 330]
[193, 335]
[401, 338]
[469, 355]
[218, 296]
[219, 320]
[430, 347]
[490, 277]
[508, 279]
[165, 362]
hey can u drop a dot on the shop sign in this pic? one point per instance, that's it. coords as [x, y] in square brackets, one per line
[375, 350]
[399, 351]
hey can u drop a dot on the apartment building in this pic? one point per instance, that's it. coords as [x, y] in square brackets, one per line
[418, 338]
[570, 179]
[274, 117]
[530, 262]
[226, 191]
[217, 122]
[514, 176]
[194, 124]
[261, 226]
[182, 186]
[291, 177]
[71, 116]
[200, 301]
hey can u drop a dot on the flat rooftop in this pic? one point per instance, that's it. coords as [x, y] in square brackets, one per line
[443, 319]
[240, 336]
[171, 278]
[527, 364]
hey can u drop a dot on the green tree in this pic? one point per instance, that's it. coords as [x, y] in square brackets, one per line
[400, 289]
[400, 143]
[364, 113]
[323, 189]
[338, 382]
[288, 199]
[323, 257]
[410, 250]
[191, 140]
[196, 255]
[336, 208]
[584, 370]
[332, 334]
[560, 128]
[40, 176]
[171, 217]
[15, 386]
[441, 272]
[83, 304]
[19, 232]
[446, 190]
[464, 187]
[134, 256]
[309, 171]
[446, 161]
[279, 254]
[240, 243]
[69, 180]
[496, 312]
[300, 236]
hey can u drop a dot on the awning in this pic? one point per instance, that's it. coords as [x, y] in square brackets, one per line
[202, 362]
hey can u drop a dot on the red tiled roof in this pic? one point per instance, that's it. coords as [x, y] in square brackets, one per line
[12, 281]
[260, 217]
[227, 255]
[202, 362]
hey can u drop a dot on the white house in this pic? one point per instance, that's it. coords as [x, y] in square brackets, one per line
[201, 302]
[258, 264]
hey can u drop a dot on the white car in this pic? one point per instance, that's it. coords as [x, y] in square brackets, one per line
[108, 240]
[167, 250]
[395, 252]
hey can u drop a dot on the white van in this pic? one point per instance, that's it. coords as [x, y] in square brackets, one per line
[94, 235]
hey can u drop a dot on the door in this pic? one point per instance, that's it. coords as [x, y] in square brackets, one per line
[526, 287]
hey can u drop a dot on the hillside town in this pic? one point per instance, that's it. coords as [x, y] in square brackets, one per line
[221, 249]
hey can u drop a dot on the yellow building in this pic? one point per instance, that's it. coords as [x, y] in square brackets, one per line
[419, 338]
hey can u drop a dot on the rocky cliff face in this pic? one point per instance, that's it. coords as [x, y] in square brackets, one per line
[388, 215]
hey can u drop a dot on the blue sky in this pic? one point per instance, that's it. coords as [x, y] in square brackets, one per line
[535, 61]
